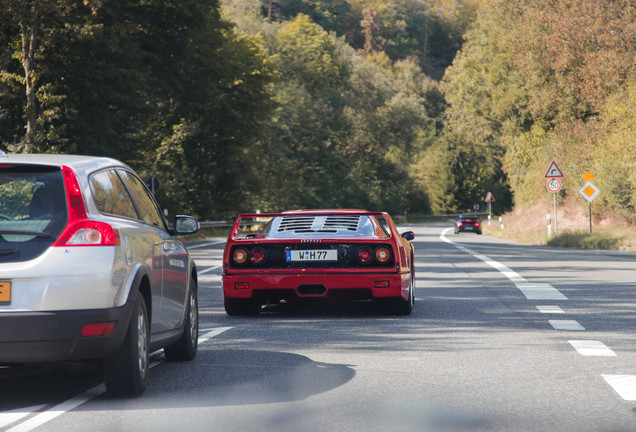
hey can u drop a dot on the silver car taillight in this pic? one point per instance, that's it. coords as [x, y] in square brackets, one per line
[81, 231]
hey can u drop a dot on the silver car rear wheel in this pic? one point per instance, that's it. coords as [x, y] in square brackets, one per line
[126, 372]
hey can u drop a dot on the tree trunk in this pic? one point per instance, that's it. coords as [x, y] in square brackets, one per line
[29, 26]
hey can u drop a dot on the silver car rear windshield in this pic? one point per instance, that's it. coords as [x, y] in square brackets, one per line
[32, 210]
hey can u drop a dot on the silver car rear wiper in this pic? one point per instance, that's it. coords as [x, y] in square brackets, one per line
[24, 233]
[8, 251]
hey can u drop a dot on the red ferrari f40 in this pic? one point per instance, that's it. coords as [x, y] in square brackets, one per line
[339, 255]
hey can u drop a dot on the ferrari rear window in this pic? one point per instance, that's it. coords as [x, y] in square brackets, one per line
[323, 226]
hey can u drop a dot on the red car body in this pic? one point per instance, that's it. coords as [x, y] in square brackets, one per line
[332, 254]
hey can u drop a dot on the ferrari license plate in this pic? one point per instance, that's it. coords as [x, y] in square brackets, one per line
[5, 292]
[312, 255]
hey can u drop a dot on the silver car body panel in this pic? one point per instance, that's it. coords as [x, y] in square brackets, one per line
[89, 277]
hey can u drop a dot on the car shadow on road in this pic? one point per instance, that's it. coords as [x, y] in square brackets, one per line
[234, 377]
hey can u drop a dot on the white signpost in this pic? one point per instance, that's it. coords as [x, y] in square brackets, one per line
[553, 174]
[589, 191]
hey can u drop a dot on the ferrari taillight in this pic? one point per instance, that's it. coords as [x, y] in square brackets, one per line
[258, 256]
[365, 255]
[240, 256]
[382, 254]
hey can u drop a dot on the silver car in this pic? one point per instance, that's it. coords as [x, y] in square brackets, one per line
[89, 269]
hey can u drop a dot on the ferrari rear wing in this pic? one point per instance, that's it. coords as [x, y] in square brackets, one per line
[257, 221]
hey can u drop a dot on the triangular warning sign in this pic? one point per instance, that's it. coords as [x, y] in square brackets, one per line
[554, 171]
[489, 197]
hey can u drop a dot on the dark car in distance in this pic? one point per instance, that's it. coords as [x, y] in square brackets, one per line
[468, 224]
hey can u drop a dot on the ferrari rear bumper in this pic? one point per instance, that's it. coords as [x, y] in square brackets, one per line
[317, 285]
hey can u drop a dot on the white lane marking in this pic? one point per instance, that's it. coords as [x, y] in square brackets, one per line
[532, 291]
[204, 245]
[8, 417]
[217, 331]
[569, 325]
[209, 269]
[550, 309]
[57, 410]
[540, 291]
[624, 385]
[592, 348]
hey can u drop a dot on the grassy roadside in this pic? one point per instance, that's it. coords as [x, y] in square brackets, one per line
[526, 226]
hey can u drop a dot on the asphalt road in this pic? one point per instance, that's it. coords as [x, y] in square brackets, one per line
[503, 337]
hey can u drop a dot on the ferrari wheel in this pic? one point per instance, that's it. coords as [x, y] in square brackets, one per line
[399, 306]
[235, 307]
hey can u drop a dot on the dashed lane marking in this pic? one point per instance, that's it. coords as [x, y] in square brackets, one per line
[550, 309]
[592, 348]
[569, 325]
[624, 385]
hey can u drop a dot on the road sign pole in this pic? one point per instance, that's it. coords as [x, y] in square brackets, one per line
[556, 222]
[590, 207]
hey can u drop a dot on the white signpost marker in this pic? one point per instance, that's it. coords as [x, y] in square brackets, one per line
[553, 174]
[489, 199]
[589, 191]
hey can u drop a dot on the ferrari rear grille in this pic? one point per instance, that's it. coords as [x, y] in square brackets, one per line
[349, 223]
[319, 223]
[296, 223]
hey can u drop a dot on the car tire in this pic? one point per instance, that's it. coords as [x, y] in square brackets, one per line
[186, 347]
[399, 306]
[237, 307]
[126, 372]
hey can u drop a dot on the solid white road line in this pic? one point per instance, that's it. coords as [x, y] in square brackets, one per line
[569, 325]
[209, 269]
[205, 244]
[592, 348]
[8, 417]
[550, 309]
[58, 410]
[48, 415]
[532, 291]
[217, 331]
[624, 385]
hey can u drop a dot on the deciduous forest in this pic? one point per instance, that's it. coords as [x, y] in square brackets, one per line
[408, 106]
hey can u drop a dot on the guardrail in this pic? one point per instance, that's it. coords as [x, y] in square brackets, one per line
[216, 224]
[397, 218]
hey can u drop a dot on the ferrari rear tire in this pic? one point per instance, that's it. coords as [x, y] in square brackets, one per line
[399, 306]
[245, 307]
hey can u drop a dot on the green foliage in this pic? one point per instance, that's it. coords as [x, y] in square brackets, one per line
[168, 87]
[542, 81]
